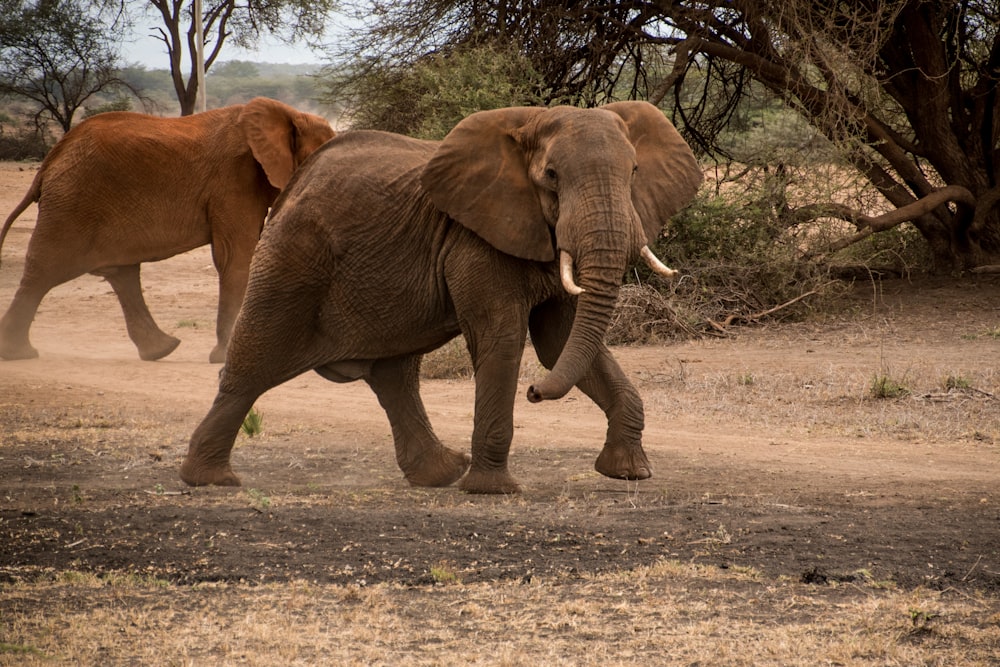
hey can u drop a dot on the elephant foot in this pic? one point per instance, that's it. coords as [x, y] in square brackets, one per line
[489, 481]
[193, 474]
[218, 354]
[15, 352]
[158, 350]
[439, 467]
[623, 463]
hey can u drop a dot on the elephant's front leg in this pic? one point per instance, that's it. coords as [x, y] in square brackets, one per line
[606, 384]
[151, 341]
[420, 455]
[623, 456]
[497, 361]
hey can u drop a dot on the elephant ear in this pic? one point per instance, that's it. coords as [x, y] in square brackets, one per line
[668, 176]
[269, 130]
[479, 177]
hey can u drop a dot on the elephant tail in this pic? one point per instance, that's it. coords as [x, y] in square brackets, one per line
[30, 197]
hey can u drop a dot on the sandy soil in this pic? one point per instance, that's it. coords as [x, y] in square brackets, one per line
[769, 452]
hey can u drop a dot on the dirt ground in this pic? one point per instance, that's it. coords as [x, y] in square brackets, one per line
[770, 455]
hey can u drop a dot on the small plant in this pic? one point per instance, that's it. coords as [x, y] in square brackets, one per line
[442, 574]
[260, 500]
[187, 324]
[921, 619]
[253, 422]
[6, 647]
[958, 383]
[883, 386]
[745, 380]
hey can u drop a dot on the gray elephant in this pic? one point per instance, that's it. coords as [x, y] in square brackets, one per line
[383, 248]
[124, 188]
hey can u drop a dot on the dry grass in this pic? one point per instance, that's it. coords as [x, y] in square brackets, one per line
[839, 401]
[450, 361]
[667, 613]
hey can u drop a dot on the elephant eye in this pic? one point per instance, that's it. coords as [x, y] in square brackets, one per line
[635, 169]
[550, 174]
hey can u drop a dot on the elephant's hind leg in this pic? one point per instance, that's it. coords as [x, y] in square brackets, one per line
[149, 339]
[207, 460]
[38, 279]
[420, 455]
[16, 322]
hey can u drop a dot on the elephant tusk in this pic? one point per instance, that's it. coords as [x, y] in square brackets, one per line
[566, 273]
[655, 264]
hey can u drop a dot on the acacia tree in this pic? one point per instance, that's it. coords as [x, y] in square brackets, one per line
[58, 54]
[907, 89]
[226, 21]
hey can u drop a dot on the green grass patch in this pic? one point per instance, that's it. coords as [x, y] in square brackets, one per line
[886, 387]
[253, 423]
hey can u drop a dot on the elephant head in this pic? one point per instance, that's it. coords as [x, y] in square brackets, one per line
[281, 137]
[595, 186]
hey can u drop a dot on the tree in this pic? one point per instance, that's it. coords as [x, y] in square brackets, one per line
[225, 20]
[909, 90]
[429, 98]
[58, 54]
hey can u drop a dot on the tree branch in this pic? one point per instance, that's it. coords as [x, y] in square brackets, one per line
[869, 225]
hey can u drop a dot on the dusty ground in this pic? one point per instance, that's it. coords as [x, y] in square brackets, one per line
[770, 457]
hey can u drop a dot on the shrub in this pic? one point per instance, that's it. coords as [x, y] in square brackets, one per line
[429, 98]
[22, 145]
[450, 361]
[736, 262]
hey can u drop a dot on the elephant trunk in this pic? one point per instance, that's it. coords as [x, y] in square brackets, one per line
[600, 270]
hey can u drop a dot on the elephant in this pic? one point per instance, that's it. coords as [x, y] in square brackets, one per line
[122, 188]
[383, 248]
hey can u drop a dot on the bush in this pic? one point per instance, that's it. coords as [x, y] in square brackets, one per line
[22, 145]
[736, 262]
[120, 103]
[429, 98]
[450, 361]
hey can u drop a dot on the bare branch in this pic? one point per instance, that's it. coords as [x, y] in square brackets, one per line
[869, 225]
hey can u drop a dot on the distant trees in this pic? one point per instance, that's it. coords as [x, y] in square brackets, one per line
[227, 21]
[907, 90]
[57, 54]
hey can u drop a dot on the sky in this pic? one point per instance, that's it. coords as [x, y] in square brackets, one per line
[152, 52]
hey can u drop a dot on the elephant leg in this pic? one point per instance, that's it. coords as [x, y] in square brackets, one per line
[622, 456]
[606, 384]
[420, 455]
[232, 261]
[152, 342]
[16, 322]
[207, 460]
[272, 342]
[497, 361]
[42, 272]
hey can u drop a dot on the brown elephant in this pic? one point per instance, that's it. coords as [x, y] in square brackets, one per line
[383, 248]
[124, 188]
